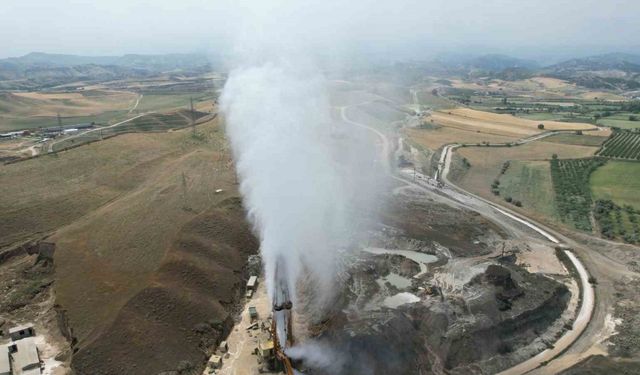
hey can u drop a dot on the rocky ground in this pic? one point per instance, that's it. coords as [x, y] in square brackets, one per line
[396, 317]
[26, 297]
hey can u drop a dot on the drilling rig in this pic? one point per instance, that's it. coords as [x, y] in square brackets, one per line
[281, 329]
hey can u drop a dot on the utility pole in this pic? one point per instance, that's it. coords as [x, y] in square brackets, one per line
[193, 117]
[59, 120]
[192, 111]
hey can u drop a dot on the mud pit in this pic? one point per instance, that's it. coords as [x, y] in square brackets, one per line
[439, 290]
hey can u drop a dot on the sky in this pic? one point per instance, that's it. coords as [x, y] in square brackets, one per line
[531, 29]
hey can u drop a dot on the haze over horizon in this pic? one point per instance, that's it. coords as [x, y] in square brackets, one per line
[526, 30]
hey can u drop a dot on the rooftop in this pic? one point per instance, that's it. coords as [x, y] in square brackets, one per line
[5, 366]
[26, 357]
[20, 328]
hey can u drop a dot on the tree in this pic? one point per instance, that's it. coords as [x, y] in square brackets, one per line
[554, 156]
[508, 199]
[578, 132]
[540, 126]
[633, 118]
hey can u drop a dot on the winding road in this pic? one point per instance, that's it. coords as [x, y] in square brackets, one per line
[472, 201]
[50, 146]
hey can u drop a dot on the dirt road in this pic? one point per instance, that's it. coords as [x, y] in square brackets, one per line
[51, 144]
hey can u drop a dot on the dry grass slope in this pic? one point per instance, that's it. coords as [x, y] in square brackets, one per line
[135, 219]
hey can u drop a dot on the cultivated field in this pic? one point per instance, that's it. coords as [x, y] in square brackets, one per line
[618, 181]
[572, 191]
[579, 140]
[488, 162]
[622, 145]
[499, 124]
[441, 135]
[39, 109]
[530, 183]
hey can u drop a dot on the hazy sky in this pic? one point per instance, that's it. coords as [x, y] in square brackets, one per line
[526, 28]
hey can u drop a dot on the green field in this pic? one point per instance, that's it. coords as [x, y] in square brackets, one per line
[154, 122]
[530, 183]
[156, 102]
[574, 139]
[621, 120]
[615, 221]
[426, 98]
[572, 189]
[618, 181]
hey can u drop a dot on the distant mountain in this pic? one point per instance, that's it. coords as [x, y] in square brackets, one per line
[41, 70]
[614, 71]
[492, 63]
[155, 62]
[497, 63]
[612, 61]
[40, 59]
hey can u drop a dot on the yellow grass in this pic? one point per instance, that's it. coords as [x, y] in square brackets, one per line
[551, 83]
[499, 124]
[69, 104]
[115, 207]
[436, 138]
[593, 95]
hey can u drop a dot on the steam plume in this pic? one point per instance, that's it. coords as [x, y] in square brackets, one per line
[301, 173]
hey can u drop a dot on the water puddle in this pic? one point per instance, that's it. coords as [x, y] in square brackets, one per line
[400, 299]
[396, 280]
[421, 258]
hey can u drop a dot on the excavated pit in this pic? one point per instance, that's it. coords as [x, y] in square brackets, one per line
[398, 313]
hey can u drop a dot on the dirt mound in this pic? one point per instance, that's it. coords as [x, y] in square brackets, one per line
[462, 232]
[186, 308]
[444, 332]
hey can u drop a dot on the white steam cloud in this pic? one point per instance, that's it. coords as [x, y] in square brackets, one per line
[306, 177]
[318, 355]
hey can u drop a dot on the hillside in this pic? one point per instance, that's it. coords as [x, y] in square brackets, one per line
[41, 70]
[149, 259]
[613, 71]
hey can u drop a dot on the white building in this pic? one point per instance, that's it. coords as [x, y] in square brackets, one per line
[5, 362]
[25, 359]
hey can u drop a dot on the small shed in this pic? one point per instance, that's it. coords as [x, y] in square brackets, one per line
[249, 293]
[265, 349]
[252, 283]
[253, 313]
[21, 332]
[224, 347]
[215, 361]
